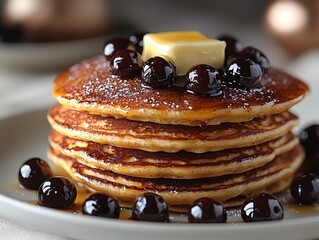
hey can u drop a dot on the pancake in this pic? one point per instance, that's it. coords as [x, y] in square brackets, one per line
[154, 137]
[230, 190]
[89, 86]
[181, 165]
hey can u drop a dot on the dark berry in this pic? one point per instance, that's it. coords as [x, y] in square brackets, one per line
[305, 189]
[203, 80]
[126, 63]
[137, 41]
[158, 73]
[102, 205]
[257, 56]
[233, 46]
[311, 164]
[33, 173]
[309, 137]
[150, 207]
[244, 72]
[262, 207]
[206, 210]
[113, 45]
[57, 192]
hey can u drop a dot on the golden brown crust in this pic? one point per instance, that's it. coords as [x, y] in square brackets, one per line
[89, 86]
[168, 138]
[181, 165]
[184, 192]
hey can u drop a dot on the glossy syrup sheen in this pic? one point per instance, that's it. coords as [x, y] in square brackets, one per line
[76, 207]
[91, 82]
[292, 208]
[233, 213]
[184, 37]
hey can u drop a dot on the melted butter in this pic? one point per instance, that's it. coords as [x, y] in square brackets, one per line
[95, 86]
[185, 49]
[179, 37]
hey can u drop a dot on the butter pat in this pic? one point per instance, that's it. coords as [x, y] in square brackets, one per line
[184, 49]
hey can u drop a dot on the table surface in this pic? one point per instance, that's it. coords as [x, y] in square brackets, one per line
[18, 90]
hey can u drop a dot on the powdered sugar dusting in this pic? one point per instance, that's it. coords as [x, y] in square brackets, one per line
[91, 81]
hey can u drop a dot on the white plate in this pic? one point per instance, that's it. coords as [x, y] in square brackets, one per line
[50, 55]
[24, 135]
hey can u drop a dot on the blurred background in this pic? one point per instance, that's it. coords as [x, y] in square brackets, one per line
[39, 38]
[52, 34]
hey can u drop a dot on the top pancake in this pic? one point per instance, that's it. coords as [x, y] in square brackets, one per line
[89, 86]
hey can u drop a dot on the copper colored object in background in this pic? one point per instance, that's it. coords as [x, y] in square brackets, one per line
[54, 20]
[294, 25]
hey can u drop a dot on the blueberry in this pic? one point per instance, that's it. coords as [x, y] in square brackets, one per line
[309, 137]
[203, 80]
[244, 73]
[206, 210]
[57, 192]
[33, 173]
[233, 45]
[158, 73]
[137, 40]
[126, 63]
[102, 205]
[305, 189]
[114, 45]
[150, 207]
[262, 207]
[257, 56]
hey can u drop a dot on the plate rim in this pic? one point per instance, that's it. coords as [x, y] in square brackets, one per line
[175, 230]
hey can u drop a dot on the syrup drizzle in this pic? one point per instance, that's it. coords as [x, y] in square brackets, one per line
[91, 81]
[292, 210]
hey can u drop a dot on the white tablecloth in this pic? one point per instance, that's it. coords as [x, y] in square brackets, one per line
[12, 231]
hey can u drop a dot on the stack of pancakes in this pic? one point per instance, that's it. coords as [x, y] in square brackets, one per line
[114, 136]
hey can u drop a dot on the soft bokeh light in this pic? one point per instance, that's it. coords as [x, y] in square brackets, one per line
[20, 10]
[287, 16]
